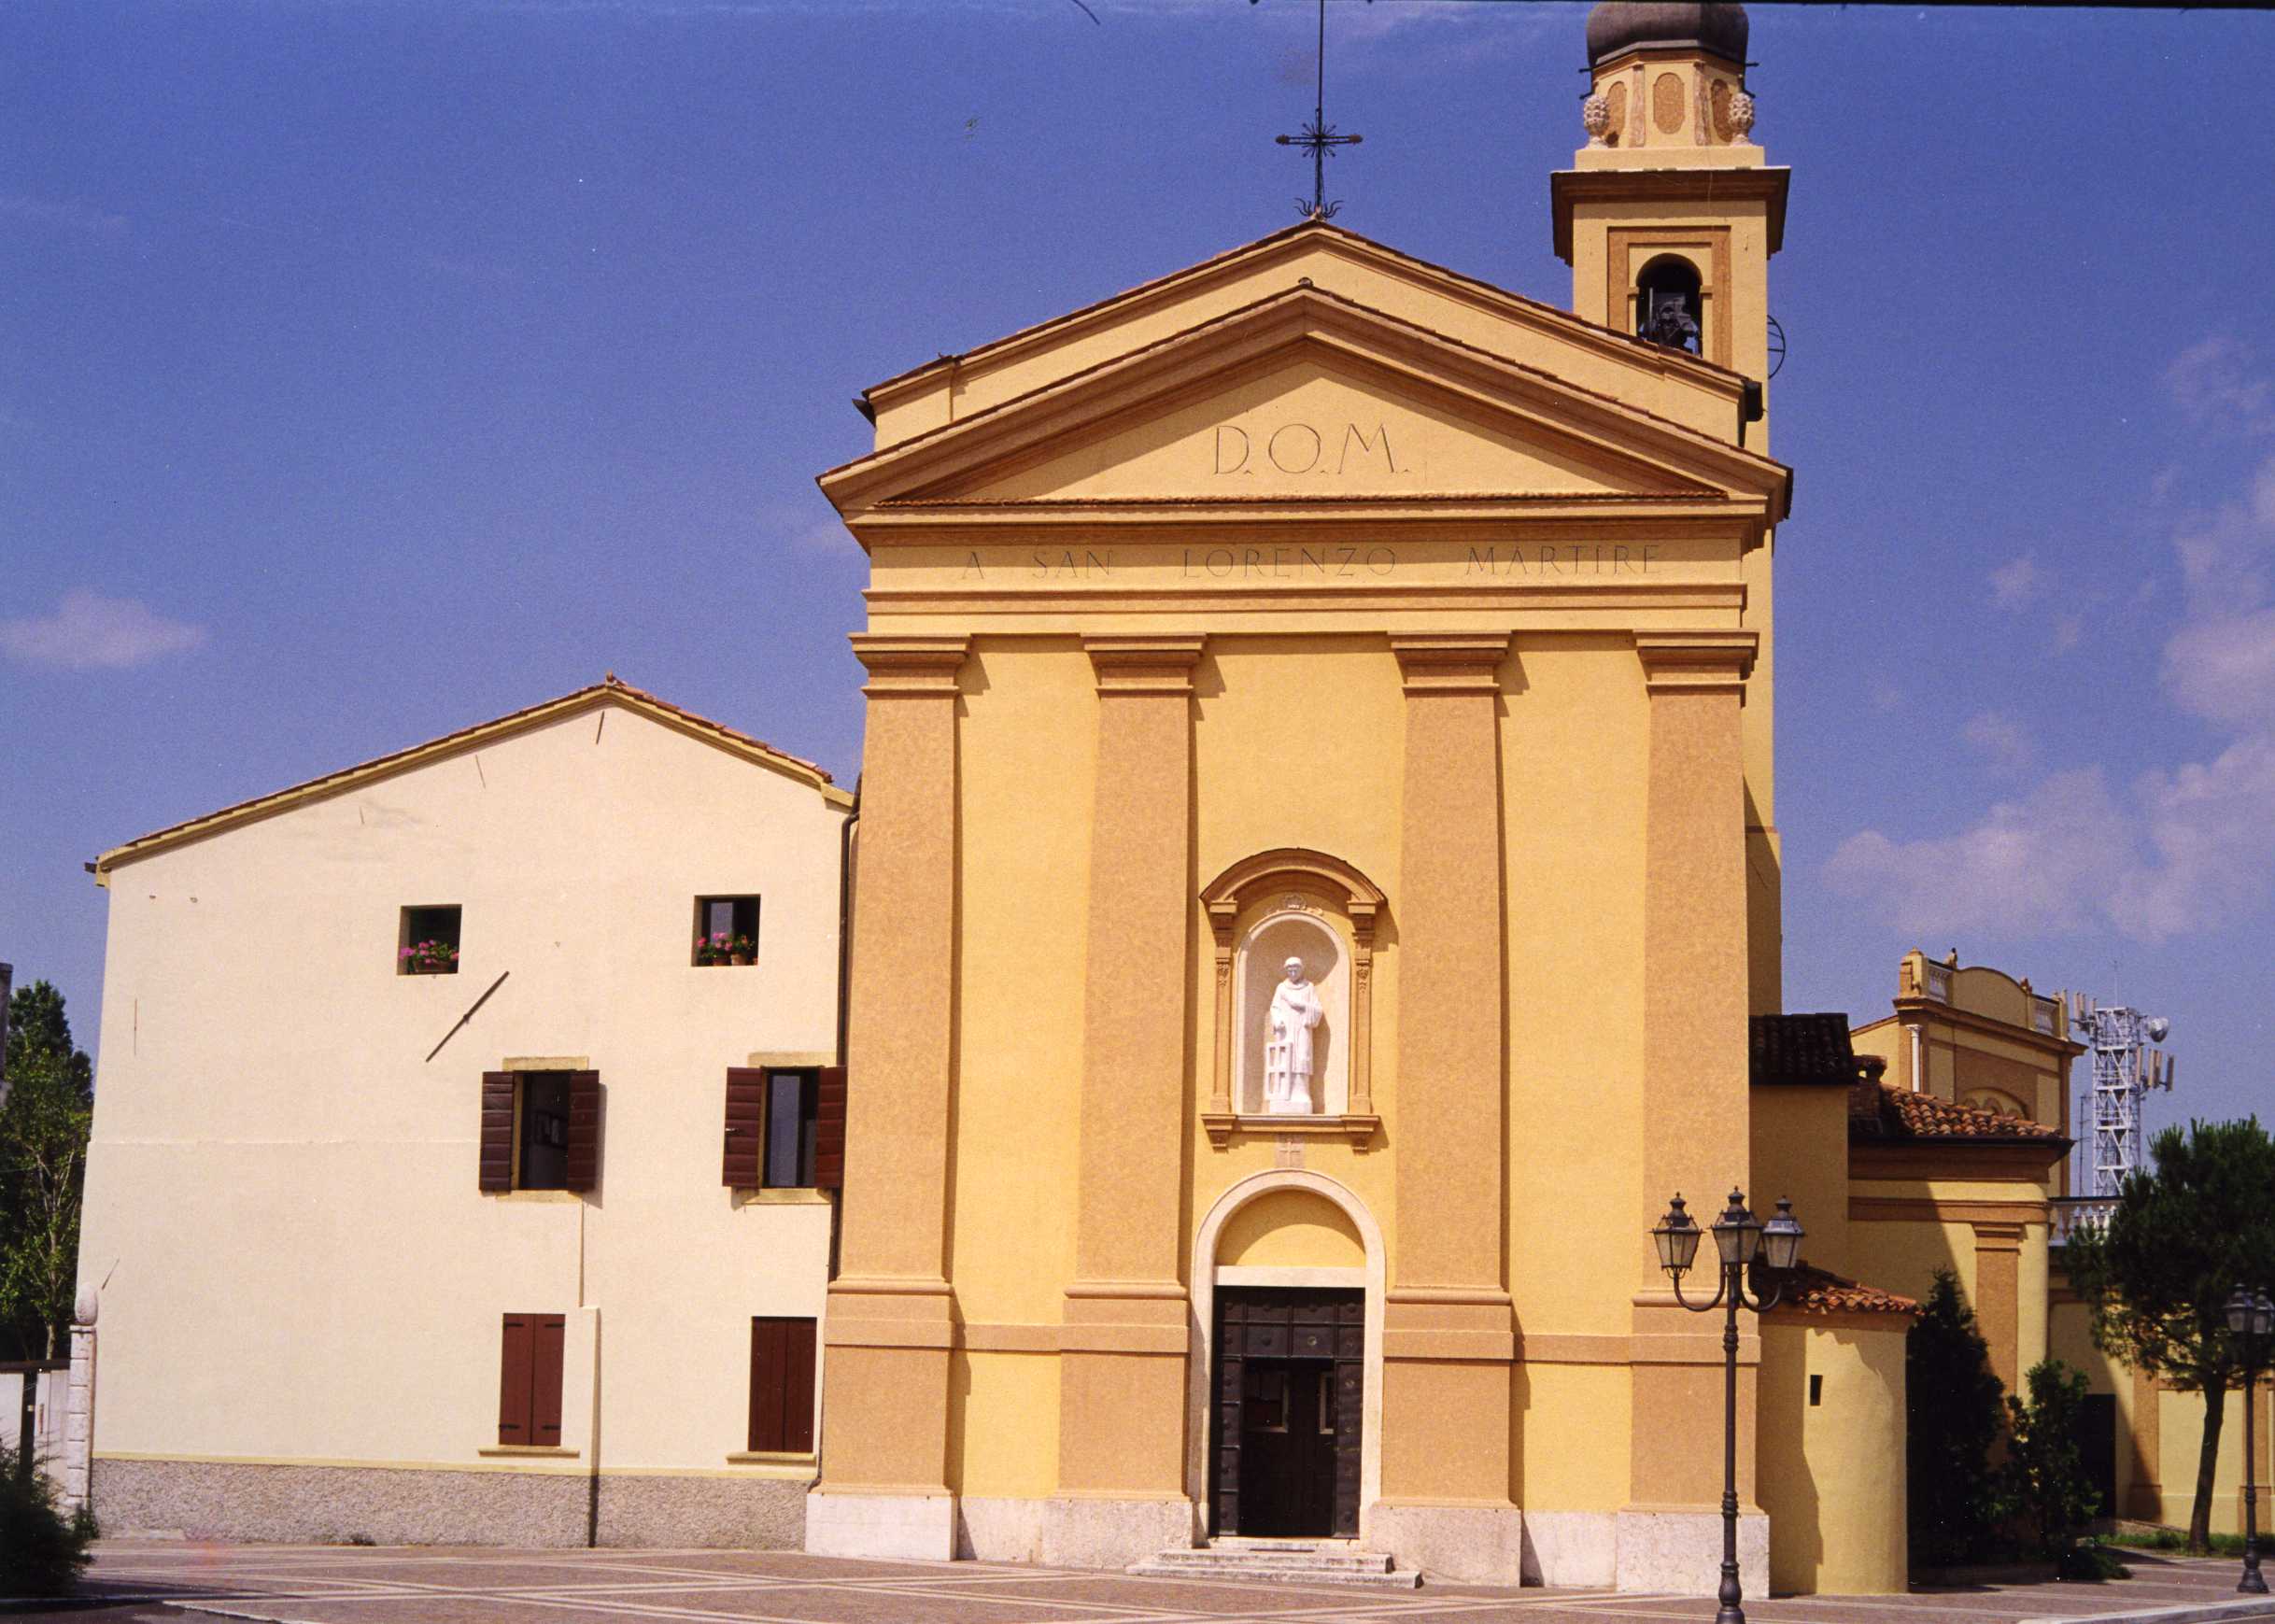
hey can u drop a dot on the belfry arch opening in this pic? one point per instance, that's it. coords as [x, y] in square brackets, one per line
[1670, 306]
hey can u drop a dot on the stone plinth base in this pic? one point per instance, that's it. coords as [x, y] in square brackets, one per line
[1086, 1531]
[1480, 1544]
[730, 1513]
[230, 1500]
[1578, 1549]
[1680, 1552]
[917, 1526]
[1070, 1530]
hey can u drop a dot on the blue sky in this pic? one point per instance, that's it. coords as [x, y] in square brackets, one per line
[371, 367]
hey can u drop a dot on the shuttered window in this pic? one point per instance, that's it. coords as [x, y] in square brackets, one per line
[529, 1380]
[782, 1386]
[786, 1128]
[540, 1130]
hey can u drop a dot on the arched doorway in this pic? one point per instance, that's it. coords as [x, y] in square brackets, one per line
[1288, 1279]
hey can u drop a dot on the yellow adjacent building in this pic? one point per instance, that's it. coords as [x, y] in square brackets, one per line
[1319, 864]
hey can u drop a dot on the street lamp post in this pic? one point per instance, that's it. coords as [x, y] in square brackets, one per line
[1768, 1249]
[2251, 1315]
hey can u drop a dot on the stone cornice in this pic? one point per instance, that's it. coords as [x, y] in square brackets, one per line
[1138, 664]
[1450, 662]
[1701, 184]
[903, 664]
[1696, 662]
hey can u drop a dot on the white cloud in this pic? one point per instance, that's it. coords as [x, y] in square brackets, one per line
[90, 633]
[2014, 583]
[2184, 849]
[2002, 739]
[2214, 840]
[2025, 868]
[2223, 669]
[2214, 384]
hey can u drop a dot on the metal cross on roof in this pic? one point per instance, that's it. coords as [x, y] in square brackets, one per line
[1320, 138]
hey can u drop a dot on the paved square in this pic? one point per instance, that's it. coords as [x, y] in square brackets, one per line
[164, 1582]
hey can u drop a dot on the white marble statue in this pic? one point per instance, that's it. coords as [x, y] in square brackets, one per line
[1287, 1044]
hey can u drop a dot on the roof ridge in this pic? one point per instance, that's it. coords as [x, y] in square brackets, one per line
[1292, 294]
[1319, 227]
[610, 687]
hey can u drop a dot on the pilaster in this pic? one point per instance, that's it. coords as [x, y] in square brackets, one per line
[78, 1411]
[1122, 1375]
[1695, 1119]
[1447, 1337]
[885, 1406]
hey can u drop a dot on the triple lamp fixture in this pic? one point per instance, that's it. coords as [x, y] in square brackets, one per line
[2251, 1315]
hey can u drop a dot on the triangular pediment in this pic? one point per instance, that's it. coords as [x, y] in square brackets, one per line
[1304, 397]
[1315, 426]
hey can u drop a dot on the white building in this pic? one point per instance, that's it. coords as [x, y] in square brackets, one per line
[523, 1242]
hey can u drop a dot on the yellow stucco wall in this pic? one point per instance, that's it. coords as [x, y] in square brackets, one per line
[1832, 1471]
[281, 1188]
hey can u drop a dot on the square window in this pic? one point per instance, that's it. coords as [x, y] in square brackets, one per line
[540, 1131]
[792, 1127]
[726, 930]
[427, 941]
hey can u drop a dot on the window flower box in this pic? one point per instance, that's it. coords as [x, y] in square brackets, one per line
[431, 958]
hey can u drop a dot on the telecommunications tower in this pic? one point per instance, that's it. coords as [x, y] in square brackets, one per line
[2125, 1069]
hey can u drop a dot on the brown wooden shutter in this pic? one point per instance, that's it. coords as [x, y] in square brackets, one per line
[782, 1386]
[797, 1387]
[551, 1335]
[584, 1131]
[517, 1370]
[829, 1129]
[767, 1373]
[745, 1126]
[495, 1170]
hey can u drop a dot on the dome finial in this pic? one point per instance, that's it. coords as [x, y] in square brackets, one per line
[1619, 26]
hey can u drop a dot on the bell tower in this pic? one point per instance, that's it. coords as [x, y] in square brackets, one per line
[1668, 215]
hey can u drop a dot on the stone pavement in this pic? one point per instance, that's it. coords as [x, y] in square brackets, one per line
[165, 1582]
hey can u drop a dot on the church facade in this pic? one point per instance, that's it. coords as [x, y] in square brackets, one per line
[1319, 869]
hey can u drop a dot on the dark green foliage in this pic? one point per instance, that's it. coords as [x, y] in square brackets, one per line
[41, 1552]
[43, 1165]
[2043, 1482]
[1953, 1417]
[2156, 1280]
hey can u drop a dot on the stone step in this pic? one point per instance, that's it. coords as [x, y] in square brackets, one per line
[1281, 1561]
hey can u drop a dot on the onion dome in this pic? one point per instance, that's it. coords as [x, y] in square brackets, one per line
[1617, 26]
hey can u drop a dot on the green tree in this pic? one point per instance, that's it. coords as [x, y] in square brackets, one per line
[1952, 1418]
[2156, 1277]
[2043, 1480]
[42, 1168]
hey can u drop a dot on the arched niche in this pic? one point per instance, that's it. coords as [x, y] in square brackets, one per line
[1293, 900]
[1259, 962]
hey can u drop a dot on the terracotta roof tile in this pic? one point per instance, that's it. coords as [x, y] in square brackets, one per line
[1897, 1114]
[1802, 1050]
[1810, 1290]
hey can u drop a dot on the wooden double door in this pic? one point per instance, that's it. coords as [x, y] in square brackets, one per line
[1288, 1413]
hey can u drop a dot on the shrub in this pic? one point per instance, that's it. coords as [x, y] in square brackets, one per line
[2044, 1479]
[1952, 1418]
[41, 1552]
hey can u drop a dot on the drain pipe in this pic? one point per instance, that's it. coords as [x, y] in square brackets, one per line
[846, 836]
